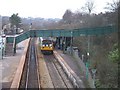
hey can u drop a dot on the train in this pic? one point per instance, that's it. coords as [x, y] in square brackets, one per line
[46, 45]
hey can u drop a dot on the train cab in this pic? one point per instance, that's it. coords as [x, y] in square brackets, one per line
[46, 45]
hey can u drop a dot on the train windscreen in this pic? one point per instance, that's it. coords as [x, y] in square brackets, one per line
[46, 42]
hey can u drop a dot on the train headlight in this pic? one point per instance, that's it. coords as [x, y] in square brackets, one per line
[46, 45]
[50, 45]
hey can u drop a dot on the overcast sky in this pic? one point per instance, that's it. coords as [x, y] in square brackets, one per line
[45, 8]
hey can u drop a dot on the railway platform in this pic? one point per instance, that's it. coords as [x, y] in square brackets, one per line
[9, 65]
[74, 65]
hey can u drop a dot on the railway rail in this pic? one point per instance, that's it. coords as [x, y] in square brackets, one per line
[58, 76]
[30, 78]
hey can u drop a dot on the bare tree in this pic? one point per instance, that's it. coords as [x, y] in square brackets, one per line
[113, 6]
[89, 6]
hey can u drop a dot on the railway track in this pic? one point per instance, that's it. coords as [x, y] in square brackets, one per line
[30, 77]
[58, 76]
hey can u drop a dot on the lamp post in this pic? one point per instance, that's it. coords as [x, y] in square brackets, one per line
[71, 44]
[88, 57]
[94, 72]
[88, 45]
[30, 26]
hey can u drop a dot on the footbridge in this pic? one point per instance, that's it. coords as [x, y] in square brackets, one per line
[61, 33]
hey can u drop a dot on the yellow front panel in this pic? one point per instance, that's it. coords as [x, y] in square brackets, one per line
[46, 48]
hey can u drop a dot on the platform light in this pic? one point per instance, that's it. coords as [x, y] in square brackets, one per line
[88, 54]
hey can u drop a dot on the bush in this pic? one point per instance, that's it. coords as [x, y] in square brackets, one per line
[113, 55]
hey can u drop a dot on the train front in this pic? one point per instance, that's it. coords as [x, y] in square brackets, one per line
[46, 46]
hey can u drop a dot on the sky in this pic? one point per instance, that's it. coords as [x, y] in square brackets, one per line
[46, 8]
